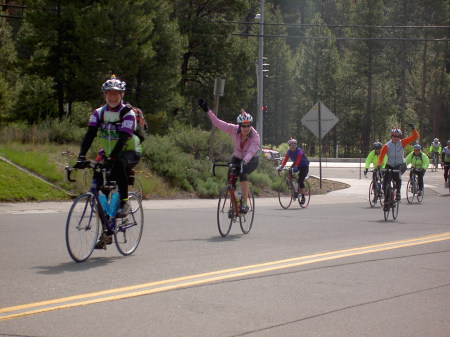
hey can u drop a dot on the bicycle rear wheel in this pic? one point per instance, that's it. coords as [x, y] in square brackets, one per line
[82, 227]
[307, 195]
[137, 188]
[225, 212]
[246, 220]
[285, 194]
[128, 231]
[387, 202]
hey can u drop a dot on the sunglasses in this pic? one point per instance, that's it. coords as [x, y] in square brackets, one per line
[395, 136]
[245, 126]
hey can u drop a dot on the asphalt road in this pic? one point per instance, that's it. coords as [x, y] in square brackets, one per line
[335, 268]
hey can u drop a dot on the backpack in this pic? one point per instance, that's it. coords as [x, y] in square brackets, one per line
[141, 124]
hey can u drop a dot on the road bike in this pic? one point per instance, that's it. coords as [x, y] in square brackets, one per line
[390, 204]
[376, 190]
[230, 200]
[93, 221]
[288, 190]
[435, 161]
[412, 188]
[447, 168]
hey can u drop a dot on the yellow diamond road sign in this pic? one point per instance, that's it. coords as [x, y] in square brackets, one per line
[319, 120]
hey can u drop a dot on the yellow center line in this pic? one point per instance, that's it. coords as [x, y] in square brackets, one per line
[198, 279]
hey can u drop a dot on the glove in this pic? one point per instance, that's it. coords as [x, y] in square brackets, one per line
[411, 125]
[279, 169]
[203, 103]
[365, 171]
[378, 168]
[295, 169]
[81, 162]
[109, 163]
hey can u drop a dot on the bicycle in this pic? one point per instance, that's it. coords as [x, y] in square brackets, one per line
[91, 212]
[447, 168]
[228, 207]
[412, 188]
[391, 190]
[435, 161]
[376, 190]
[133, 181]
[288, 190]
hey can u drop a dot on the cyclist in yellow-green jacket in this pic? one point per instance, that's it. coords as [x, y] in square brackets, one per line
[372, 158]
[420, 162]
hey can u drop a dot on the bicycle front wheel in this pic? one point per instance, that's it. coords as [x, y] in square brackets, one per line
[225, 212]
[387, 202]
[307, 195]
[246, 220]
[285, 194]
[372, 200]
[128, 231]
[410, 191]
[395, 206]
[82, 227]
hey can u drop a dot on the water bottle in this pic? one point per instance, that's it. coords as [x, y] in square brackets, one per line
[238, 195]
[104, 202]
[113, 203]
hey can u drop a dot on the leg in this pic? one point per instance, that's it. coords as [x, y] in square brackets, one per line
[303, 172]
[243, 177]
[398, 182]
[126, 161]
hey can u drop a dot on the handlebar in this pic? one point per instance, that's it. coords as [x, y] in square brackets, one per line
[96, 166]
[229, 165]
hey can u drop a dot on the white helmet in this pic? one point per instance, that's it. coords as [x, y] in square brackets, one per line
[244, 118]
[436, 140]
[114, 84]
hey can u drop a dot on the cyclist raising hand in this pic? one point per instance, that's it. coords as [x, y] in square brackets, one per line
[394, 149]
[246, 145]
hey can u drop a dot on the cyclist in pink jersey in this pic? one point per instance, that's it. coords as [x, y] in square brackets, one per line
[246, 144]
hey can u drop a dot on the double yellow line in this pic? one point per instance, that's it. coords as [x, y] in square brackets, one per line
[198, 279]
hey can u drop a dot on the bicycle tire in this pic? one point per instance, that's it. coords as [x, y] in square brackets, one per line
[128, 231]
[387, 202]
[285, 194]
[410, 191]
[371, 195]
[395, 207]
[246, 220]
[82, 227]
[225, 212]
[307, 195]
[137, 188]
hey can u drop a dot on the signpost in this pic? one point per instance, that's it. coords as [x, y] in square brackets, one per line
[319, 120]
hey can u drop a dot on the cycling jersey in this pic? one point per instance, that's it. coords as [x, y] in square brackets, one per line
[297, 156]
[372, 158]
[395, 151]
[435, 147]
[446, 155]
[109, 124]
[244, 149]
[420, 161]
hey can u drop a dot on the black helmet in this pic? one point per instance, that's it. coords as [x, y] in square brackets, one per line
[377, 145]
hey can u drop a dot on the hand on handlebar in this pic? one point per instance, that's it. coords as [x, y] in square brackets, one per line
[365, 172]
[81, 162]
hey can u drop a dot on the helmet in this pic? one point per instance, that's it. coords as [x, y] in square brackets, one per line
[417, 146]
[396, 132]
[448, 142]
[244, 118]
[114, 84]
[377, 145]
[292, 141]
[436, 140]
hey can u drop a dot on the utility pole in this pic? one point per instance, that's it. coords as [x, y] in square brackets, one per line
[260, 74]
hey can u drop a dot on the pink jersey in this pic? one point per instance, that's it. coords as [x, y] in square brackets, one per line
[249, 147]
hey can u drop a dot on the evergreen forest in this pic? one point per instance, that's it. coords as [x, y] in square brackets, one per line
[376, 64]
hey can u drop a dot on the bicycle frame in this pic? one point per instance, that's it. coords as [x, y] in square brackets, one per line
[232, 179]
[390, 197]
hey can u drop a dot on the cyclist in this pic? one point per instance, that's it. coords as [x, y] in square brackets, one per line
[394, 149]
[420, 162]
[445, 160]
[372, 158]
[435, 149]
[300, 164]
[246, 145]
[116, 123]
